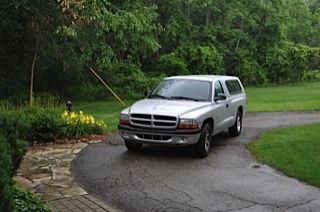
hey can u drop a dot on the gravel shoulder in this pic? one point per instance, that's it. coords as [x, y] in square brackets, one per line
[171, 179]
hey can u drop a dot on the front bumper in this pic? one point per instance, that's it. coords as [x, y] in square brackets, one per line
[157, 136]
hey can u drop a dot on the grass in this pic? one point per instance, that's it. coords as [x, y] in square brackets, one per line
[106, 111]
[285, 98]
[295, 151]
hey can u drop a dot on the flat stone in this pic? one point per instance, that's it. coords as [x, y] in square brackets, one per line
[75, 190]
[61, 173]
[39, 173]
[23, 182]
[75, 151]
[79, 145]
[58, 184]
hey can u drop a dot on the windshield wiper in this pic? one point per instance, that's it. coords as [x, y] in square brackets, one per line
[153, 96]
[184, 98]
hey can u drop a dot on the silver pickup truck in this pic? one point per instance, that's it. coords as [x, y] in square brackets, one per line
[185, 110]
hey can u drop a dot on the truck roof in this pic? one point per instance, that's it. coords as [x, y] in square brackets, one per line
[204, 77]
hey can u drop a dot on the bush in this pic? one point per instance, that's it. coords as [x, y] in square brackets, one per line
[287, 62]
[6, 194]
[13, 129]
[172, 65]
[45, 124]
[251, 73]
[47, 100]
[312, 76]
[25, 201]
[80, 124]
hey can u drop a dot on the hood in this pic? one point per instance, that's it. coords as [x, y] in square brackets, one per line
[166, 107]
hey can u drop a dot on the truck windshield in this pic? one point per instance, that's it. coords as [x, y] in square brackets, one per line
[183, 89]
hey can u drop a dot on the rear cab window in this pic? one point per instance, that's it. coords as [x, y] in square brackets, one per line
[233, 87]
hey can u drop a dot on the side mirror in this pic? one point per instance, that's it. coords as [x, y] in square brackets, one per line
[220, 97]
[147, 93]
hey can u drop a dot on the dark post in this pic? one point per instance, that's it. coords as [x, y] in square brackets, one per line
[69, 106]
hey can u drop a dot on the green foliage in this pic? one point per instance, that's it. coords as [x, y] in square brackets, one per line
[130, 77]
[6, 194]
[202, 59]
[312, 76]
[287, 63]
[13, 129]
[251, 73]
[41, 122]
[44, 123]
[172, 65]
[25, 201]
[129, 42]
[47, 100]
[107, 111]
[80, 124]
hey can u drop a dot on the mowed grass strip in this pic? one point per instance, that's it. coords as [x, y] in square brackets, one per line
[284, 98]
[295, 151]
[108, 111]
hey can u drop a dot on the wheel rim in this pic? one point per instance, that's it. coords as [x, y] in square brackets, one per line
[207, 142]
[238, 123]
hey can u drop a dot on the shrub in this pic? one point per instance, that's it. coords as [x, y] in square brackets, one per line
[45, 124]
[251, 73]
[202, 59]
[172, 65]
[287, 62]
[13, 129]
[312, 76]
[6, 195]
[79, 124]
[25, 201]
[47, 100]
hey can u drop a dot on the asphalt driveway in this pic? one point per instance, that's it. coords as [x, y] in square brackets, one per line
[172, 179]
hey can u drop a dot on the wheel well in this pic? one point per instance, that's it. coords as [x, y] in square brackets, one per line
[210, 121]
[240, 109]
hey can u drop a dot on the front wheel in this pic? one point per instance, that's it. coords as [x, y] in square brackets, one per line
[133, 146]
[204, 143]
[236, 128]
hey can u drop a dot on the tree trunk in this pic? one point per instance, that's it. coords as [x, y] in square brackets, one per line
[32, 73]
[238, 43]
[208, 17]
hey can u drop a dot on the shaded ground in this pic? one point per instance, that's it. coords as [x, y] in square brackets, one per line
[172, 179]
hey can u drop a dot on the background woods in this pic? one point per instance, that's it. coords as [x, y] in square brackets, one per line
[48, 45]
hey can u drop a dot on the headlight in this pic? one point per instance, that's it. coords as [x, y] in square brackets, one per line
[188, 124]
[124, 119]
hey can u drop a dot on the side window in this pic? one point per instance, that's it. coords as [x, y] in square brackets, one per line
[218, 88]
[233, 87]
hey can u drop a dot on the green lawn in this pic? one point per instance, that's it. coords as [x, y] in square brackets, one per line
[295, 151]
[285, 98]
[107, 111]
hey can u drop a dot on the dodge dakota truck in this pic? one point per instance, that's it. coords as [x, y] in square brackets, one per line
[185, 110]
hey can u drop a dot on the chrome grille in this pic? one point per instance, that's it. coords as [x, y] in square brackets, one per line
[153, 121]
[154, 137]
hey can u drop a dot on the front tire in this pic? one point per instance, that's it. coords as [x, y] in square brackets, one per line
[236, 128]
[204, 143]
[133, 146]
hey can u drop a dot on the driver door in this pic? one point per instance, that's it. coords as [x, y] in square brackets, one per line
[221, 108]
